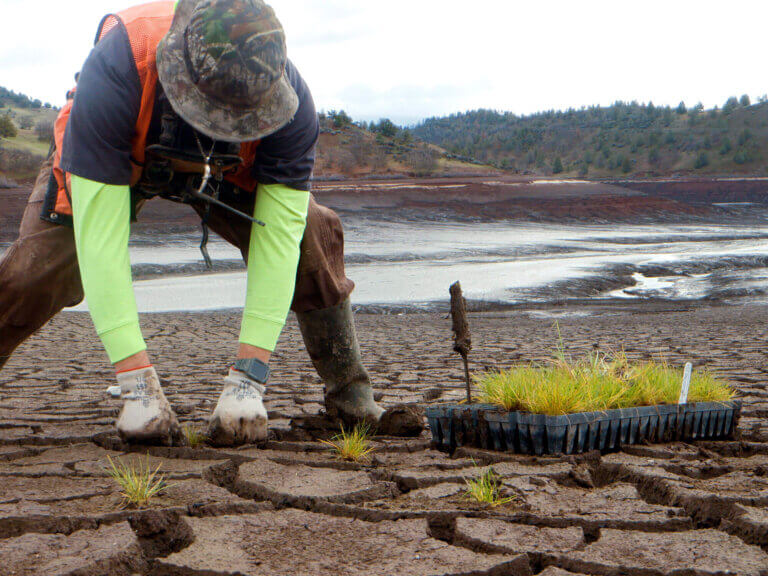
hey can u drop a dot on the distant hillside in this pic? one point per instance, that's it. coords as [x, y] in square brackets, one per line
[26, 127]
[9, 98]
[636, 139]
[348, 149]
[345, 149]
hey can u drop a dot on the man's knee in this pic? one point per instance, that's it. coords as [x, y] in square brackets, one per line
[39, 275]
[321, 281]
[324, 229]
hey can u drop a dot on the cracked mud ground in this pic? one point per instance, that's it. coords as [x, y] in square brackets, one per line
[289, 507]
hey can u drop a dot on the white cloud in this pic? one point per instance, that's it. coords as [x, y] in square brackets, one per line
[414, 58]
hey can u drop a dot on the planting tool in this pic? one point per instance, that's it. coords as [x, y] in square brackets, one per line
[462, 339]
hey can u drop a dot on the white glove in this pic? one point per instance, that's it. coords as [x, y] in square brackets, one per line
[146, 415]
[240, 416]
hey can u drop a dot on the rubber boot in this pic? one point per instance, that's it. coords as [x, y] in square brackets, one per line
[331, 341]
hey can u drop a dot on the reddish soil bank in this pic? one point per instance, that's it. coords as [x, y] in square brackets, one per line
[290, 507]
[501, 198]
[705, 190]
[487, 198]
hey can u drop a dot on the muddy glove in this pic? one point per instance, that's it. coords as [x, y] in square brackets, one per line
[240, 416]
[146, 416]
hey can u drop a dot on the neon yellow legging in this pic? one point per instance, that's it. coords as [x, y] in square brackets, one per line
[102, 226]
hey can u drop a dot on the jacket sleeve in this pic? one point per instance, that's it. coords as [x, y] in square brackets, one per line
[101, 217]
[273, 259]
[100, 130]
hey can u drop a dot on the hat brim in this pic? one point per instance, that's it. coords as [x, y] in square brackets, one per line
[211, 117]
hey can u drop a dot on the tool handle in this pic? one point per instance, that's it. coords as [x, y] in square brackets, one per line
[219, 203]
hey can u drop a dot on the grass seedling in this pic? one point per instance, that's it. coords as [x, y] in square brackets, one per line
[485, 489]
[138, 481]
[195, 437]
[353, 446]
[566, 386]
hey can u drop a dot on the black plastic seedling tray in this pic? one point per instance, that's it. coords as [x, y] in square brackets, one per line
[709, 420]
[456, 425]
[489, 427]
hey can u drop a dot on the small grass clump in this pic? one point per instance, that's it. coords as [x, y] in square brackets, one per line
[594, 383]
[139, 482]
[486, 489]
[353, 446]
[194, 436]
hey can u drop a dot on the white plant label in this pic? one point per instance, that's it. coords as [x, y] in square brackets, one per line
[686, 383]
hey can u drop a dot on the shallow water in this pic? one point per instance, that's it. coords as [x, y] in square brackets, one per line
[411, 264]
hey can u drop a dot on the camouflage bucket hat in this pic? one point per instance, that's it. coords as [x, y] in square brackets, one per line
[222, 66]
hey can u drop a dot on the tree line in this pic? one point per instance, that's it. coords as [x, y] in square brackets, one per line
[18, 100]
[627, 137]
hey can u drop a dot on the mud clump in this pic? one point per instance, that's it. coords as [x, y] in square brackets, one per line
[161, 533]
[404, 421]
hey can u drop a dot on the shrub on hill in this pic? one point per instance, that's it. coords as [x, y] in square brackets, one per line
[19, 163]
[26, 122]
[44, 130]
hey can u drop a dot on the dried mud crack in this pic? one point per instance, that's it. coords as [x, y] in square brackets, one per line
[291, 507]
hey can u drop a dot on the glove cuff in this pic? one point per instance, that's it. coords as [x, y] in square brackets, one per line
[140, 380]
[239, 378]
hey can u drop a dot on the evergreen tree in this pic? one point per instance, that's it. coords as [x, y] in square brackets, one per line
[557, 166]
[702, 161]
[340, 119]
[387, 128]
[744, 137]
[626, 165]
[743, 156]
[7, 127]
[681, 109]
[730, 105]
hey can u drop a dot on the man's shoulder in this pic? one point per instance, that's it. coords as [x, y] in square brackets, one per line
[296, 80]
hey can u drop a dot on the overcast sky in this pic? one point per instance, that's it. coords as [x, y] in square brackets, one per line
[410, 59]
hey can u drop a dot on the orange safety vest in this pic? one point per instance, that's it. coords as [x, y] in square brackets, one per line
[146, 26]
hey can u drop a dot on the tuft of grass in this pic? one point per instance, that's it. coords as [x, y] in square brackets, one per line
[138, 481]
[593, 383]
[486, 489]
[354, 445]
[195, 437]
